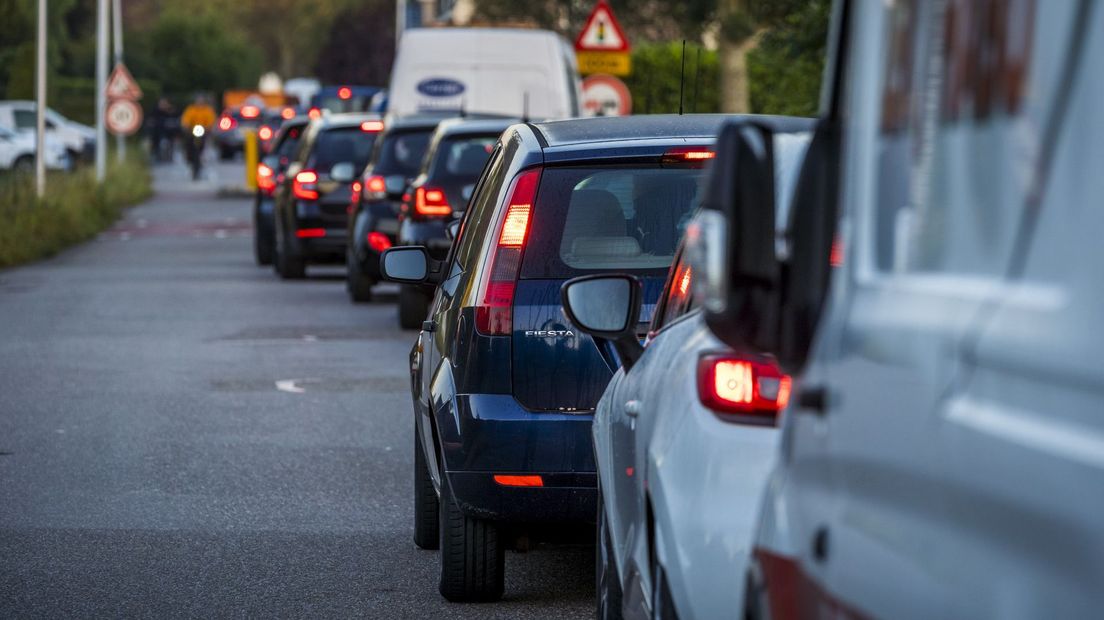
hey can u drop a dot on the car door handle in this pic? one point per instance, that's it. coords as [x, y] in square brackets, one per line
[632, 408]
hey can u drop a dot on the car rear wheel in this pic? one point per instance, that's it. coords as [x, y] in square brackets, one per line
[473, 559]
[262, 246]
[607, 583]
[413, 306]
[427, 524]
[289, 265]
[357, 282]
[23, 165]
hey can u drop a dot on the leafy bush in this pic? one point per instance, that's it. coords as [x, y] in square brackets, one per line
[656, 73]
[74, 208]
[784, 70]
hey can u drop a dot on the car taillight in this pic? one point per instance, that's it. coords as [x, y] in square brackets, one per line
[264, 133]
[519, 481]
[305, 185]
[314, 113]
[226, 123]
[431, 202]
[737, 385]
[372, 126]
[344, 93]
[250, 111]
[355, 194]
[287, 113]
[375, 188]
[266, 178]
[494, 314]
[310, 233]
[378, 241]
[688, 155]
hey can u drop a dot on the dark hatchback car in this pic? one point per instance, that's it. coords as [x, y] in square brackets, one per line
[373, 219]
[437, 197]
[270, 174]
[228, 134]
[504, 388]
[312, 203]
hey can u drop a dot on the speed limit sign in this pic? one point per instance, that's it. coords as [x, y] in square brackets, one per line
[123, 117]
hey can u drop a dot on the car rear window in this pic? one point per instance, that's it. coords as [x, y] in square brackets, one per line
[460, 159]
[290, 142]
[337, 145]
[402, 152]
[593, 219]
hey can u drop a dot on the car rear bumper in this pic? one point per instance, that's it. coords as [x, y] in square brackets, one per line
[493, 434]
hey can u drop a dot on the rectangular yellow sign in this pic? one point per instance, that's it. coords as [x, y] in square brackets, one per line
[613, 63]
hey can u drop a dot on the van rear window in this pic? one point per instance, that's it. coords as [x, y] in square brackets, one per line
[624, 218]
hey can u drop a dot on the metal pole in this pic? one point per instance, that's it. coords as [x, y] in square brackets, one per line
[400, 21]
[101, 86]
[117, 37]
[40, 104]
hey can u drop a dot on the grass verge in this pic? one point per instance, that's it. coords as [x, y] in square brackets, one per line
[74, 208]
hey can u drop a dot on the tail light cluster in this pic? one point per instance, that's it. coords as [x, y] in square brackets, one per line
[250, 111]
[305, 185]
[494, 314]
[264, 133]
[226, 123]
[431, 202]
[378, 241]
[688, 155]
[375, 188]
[734, 385]
[266, 179]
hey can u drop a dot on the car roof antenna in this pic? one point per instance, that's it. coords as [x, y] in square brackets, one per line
[525, 107]
[682, 76]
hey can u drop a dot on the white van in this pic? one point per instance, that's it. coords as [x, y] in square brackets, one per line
[484, 71]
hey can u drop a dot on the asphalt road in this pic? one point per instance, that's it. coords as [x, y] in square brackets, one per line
[150, 464]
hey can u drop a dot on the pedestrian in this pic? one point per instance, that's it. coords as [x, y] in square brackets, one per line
[161, 134]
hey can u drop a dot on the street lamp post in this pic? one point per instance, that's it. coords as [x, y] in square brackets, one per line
[101, 93]
[40, 103]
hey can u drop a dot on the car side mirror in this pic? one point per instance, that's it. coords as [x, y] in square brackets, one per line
[731, 245]
[451, 229]
[343, 172]
[410, 264]
[606, 307]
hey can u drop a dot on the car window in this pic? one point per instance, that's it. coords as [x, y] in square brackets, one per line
[342, 144]
[477, 218]
[289, 143]
[24, 119]
[402, 152]
[597, 218]
[460, 159]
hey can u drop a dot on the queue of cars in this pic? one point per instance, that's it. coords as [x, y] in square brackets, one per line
[780, 367]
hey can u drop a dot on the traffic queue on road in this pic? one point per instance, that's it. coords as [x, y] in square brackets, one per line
[774, 367]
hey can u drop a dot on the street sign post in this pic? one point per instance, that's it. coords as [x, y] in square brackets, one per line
[123, 115]
[605, 95]
[602, 46]
[122, 85]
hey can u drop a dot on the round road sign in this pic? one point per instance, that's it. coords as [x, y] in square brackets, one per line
[605, 95]
[123, 117]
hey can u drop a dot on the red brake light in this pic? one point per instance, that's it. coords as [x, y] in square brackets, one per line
[250, 111]
[835, 258]
[287, 114]
[227, 123]
[314, 113]
[344, 93]
[310, 233]
[266, 178]
[378, 241]
[305, 185]
[431, 202]
[265, 133]
[688, 155]
[739, 385]
[375, 188]
[519, 481]
[494, 314]
[355, 193]
[372, 126]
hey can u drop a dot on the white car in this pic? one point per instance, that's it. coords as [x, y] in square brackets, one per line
[17, 152]
[682, 464]
[943, 452]
[79, 140]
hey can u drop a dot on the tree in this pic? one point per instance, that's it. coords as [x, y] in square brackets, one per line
[357, 50]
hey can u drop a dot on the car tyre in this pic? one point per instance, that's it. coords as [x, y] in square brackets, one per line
[263, 249]
[23, 165]
[413, 306]
[473, 558]
[289, 265]
[427, 508]
[357, 282]
[607, 584]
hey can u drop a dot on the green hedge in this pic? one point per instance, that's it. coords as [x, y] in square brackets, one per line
[656, 73]
[74, 208]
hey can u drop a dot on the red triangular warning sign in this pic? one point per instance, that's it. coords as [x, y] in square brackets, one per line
[602, 33]
[121, 84]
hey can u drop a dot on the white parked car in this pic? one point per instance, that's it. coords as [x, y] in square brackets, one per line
[685, 435]
[502, 71]
[79, 140]
[943, 452]
[17, 152]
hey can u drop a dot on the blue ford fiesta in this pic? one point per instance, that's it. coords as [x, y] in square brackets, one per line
[503, 386]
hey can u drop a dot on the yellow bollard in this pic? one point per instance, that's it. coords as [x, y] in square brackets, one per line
[250, 159]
